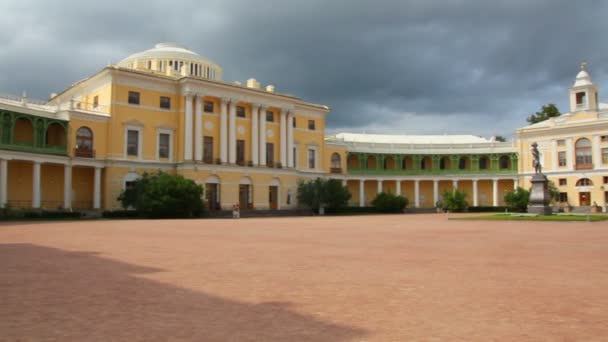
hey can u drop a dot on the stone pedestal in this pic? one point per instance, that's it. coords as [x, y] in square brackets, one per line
[539, 196]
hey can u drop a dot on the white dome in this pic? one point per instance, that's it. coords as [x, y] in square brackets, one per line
[583, 78]
[165, 53]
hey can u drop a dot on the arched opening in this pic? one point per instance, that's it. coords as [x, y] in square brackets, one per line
[55, 135]
[84, 142]
[407, 163]
[584, 158]
[426, 163]
[353, 162]
[584, 196]
[371, 162]
[212, 192]
[389, 163]
[584, 182]
[336, 163]
[274, 193]
[445, 163]
[504, 163]
[484, 163]
[464, 163]
[246, 193]
[23, 132]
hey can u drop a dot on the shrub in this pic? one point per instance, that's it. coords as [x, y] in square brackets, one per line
[479, 209]
[120, 214]
[387, 202]
[454, 201]
[163, 195]
[518, 200]
[323, 193]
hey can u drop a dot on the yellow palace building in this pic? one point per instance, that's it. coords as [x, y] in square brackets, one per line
[168, 109]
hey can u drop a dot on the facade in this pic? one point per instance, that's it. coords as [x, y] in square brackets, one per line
[168, 109]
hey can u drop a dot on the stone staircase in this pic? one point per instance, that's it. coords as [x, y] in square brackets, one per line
[581, 210]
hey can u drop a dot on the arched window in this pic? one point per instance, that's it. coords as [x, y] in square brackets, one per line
[584, 182]
[504, 162]
[336, 163]
[463, 163]
[407, 163]
[484, 163]
[389, 163]
[444, 163]
[426, 163]
[84, 139]
[584, 159]
[23, 132]
[371, 162]
[55, 135]
[353, 162]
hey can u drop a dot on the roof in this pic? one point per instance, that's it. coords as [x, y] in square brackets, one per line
[411, 139]
[168, 51]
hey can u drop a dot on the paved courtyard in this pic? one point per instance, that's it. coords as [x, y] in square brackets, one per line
[371, 278]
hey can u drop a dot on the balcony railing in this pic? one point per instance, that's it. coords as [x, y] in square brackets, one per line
[84, 153]
[584, 166]
[60, 150]
[335, 170]
[398, 172]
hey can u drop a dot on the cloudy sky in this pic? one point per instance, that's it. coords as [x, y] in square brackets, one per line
[383, 66]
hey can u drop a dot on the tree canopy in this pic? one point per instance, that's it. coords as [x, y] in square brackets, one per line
[323, 193]
[547, 111]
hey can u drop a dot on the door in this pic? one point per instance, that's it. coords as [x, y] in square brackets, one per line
[240, 152]
[244, 196]
[584, 199]
[273, 195]
[212, 196]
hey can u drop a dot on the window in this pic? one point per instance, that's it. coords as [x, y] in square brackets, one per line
[129, 185]
[240, 111]
[84, 139]
[269, 154]
[295, 157]
[605, 156]
[442, 163]
[561, 142]
[269, 116]
[563, 197]
[163, 145]
[240, 152]
[604, 138]
[132, 143]
[294, 122]
[208, 150]
[583, 154]
[336, 162]
[165, 102]
[312, 158]
[483, 163]
[605, 179]
[311, 125]
[504, 163]
[584, 182]
[563, 182]
[208, 107]
[95, 101]
[561, 156]
[462, 163]
[580, 98]
[133, 97]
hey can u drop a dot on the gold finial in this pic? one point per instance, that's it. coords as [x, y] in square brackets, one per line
[584, 65]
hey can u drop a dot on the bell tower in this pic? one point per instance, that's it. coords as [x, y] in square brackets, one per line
[584, 94]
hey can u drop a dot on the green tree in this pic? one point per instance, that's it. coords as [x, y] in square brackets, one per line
[518, 200]
[323, 193]
[500, 138]
[553, 191]
[454, 201]
[388, 202]
[161, 194]
[547, 111]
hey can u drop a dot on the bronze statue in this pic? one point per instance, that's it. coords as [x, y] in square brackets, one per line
[538, 167]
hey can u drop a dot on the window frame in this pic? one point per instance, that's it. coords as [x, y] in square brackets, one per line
[269, 116]
[136, 95]
[140, 140]
[168, 101]
[312, 125]
[208, 158]
[168, 132]
[207, 103]
[315, 154]
[562, 162]
[241, 112]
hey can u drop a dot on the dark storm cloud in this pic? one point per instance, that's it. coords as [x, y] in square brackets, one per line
[383, 66]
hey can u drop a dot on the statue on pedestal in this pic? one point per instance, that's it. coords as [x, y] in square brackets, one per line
[539, 195]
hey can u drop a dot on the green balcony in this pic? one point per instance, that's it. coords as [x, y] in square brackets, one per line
[34, 134]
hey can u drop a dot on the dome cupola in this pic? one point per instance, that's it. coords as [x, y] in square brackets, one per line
[583, 94]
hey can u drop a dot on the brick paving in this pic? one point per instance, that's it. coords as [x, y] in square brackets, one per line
[369, 278]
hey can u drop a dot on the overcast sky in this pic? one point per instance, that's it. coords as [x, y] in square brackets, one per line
[404, 66]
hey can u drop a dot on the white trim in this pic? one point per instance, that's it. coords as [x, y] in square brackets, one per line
[140, 141]
[168, 131]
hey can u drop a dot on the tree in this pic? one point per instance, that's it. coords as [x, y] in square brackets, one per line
[518, 200]
[323, 193]
[553, 191]
[387, 202]
[500, 138]
[454, 201]
[161, 194]
[547, 111]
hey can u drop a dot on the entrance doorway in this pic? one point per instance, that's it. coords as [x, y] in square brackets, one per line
[244, 190]
[273, 195]
[584, 199]
[213, 196]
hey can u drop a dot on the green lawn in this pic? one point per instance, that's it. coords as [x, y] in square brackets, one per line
[526, 217]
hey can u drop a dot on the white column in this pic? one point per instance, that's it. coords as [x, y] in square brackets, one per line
[416, 193]
[495, 192]
[455, 184]
[188, 129]
[475, 196]
[232, 133]
[36, 185]
[515, 184]
[597, 152]
[97, 189]
[198, 129]
[570, 154]
[67, 187]
[283, 132]
[435, 192]
[263, 135]
[379, 185]
[554, 157]
[224, 131]
[255, 145]
[290, 140]
[398, 187]
[362, 193]
[344, 182]
[3, 182]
